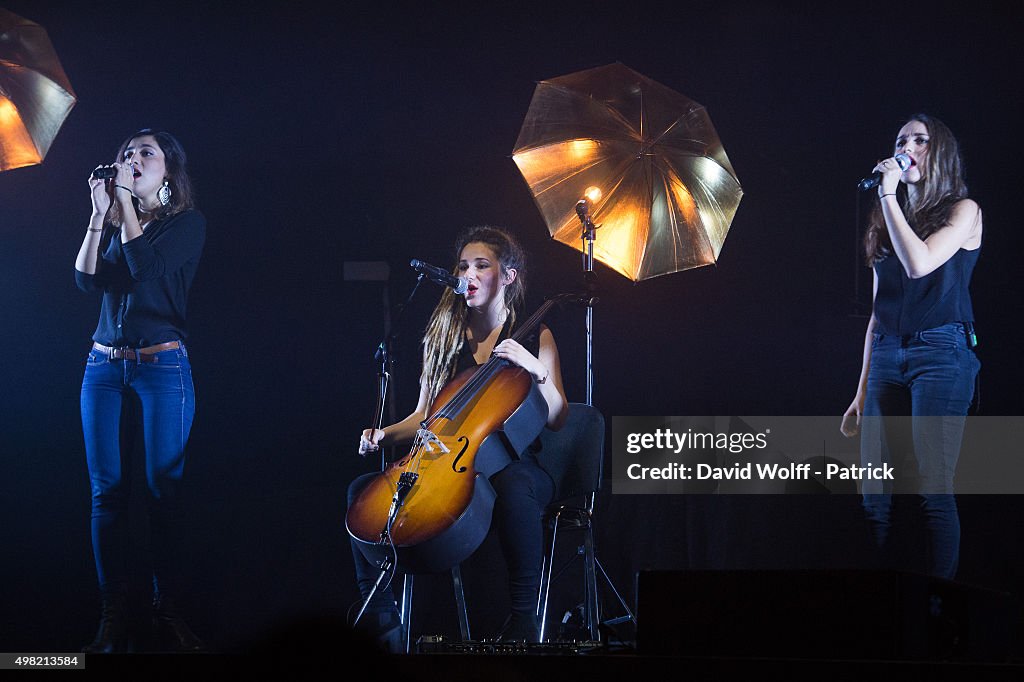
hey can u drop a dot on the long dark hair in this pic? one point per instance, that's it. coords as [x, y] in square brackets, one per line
[941, 187]
[177, 176]
[446, 331]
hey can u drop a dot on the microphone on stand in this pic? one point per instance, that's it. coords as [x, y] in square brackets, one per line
[583, 209]
[872, 180]
[435, 274]
[590, 196]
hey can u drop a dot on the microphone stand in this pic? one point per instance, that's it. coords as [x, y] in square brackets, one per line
[384, 354]
[590, 300]
[590, 282]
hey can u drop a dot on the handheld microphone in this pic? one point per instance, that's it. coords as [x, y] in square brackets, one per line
[104, 173]
[435, 274]
[872, 180]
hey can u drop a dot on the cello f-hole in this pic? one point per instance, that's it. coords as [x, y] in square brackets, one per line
[465, 446]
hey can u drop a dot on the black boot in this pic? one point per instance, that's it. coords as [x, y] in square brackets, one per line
[385, 629]
[170, 630]
[522, 627]
[112, 636]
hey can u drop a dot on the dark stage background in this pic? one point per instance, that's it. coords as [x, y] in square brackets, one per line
[323, 136]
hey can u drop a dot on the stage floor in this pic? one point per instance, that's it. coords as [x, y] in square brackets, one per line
[620, 666]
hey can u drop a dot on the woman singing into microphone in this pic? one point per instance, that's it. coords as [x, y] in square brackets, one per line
[141, 252]
[464, 331]
[923, 241]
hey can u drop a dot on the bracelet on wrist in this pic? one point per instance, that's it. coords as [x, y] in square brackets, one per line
[543, 379]
[94, 229]
[122, 187]
[890, 194]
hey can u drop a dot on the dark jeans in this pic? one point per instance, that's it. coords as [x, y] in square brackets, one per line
[928, 379]
[166, 399]
[524, 490]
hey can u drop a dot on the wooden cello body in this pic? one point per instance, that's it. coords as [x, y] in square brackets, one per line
[482, 418]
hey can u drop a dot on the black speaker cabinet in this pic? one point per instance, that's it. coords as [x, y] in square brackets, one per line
[820, 614]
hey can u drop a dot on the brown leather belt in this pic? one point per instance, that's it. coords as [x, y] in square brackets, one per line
[147, 354]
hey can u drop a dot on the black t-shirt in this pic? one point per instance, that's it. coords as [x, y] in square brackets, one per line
[145, 282]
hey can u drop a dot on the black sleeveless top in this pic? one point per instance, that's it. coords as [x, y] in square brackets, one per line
[465, 358]
[905, 306]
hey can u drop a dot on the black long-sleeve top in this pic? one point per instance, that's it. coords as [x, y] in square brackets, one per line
[145, 282]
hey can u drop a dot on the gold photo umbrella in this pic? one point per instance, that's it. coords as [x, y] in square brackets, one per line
[35, 95]
[668, 193]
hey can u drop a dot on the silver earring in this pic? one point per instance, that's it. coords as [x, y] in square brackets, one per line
[164, 194]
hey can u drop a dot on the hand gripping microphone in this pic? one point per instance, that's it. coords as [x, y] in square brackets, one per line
[872, 180]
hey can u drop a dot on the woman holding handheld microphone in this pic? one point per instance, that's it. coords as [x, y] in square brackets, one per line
[919, 366]
[140, 251]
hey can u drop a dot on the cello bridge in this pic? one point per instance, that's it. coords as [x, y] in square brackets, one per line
[427, 438]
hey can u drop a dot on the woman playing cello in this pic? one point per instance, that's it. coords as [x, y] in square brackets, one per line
[465, 331]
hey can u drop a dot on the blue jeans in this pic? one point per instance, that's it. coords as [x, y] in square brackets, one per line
[927, 379]
[166, 401]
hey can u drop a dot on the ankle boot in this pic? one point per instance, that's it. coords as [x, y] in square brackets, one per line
[171, 631]
[522, 627]
[112, 636]
[385, 629]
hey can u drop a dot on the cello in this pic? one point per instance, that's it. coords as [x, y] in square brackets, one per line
[433, 507]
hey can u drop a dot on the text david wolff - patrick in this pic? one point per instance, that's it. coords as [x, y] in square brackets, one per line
[769, 472]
